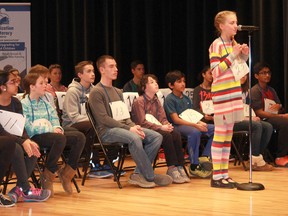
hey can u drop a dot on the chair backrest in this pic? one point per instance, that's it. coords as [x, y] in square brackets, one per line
[92, 120]
[120, 146]
[60, 97]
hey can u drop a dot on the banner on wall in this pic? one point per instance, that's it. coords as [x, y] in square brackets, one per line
[15, 37]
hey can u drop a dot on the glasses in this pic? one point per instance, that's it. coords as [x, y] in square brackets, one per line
[13, 82]
[265, 73]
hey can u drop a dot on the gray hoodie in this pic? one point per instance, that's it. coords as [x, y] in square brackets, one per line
[74, 104]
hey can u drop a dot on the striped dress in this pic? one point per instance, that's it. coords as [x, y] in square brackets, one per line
[226, 92]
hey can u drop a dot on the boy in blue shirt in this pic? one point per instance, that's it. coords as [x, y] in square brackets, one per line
[175, 103]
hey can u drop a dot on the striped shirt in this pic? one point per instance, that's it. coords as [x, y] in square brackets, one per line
[226, 92]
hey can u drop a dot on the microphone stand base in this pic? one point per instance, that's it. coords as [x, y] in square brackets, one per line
[250, 186]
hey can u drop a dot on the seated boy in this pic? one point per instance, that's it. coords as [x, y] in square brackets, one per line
[175, 103]
[105, 101]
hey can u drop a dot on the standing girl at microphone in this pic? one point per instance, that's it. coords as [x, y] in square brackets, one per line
[226, 94]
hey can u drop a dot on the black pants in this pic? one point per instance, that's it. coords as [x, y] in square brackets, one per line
[7, 150]
[281, 124]
[75, 142]
[86, 128]
[172, 145]
[55, 144]
[23, 166]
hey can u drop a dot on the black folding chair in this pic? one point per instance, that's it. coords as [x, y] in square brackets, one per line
[121, 149]
[240, 143]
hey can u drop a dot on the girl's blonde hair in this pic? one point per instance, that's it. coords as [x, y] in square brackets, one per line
[220, 19]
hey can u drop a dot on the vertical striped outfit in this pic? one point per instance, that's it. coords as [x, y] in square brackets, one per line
[227, 101]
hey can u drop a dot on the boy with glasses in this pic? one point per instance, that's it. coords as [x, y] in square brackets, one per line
[267, 105]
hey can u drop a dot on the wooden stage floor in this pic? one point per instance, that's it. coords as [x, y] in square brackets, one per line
[102, 197]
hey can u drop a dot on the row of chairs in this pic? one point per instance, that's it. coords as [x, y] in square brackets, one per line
[239, 144]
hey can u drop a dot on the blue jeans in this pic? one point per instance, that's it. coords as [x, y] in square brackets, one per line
[261, 134]
[143, 151]
[193, 136]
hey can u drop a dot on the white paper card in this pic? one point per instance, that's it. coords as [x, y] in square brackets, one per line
[246, 110]
[267, 104]
[239, 69]
[60, 97]
[129, 98]
[12, 122]
[119, 110]
[207, 107]
[191, 115]
[162, 94]
[152, 119]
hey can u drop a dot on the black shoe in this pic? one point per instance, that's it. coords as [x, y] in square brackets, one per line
[221, 183]
[231, 181]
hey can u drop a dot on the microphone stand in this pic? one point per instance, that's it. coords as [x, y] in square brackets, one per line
[250, 186]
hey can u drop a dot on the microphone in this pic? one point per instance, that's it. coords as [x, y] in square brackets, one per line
[247, 28]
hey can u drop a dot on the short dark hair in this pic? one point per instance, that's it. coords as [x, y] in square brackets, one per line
[144, 81]
[101, 60]
[259, 66]
[203, 71]
[172, 76]
[80, 66]
[134, 64]
[4, 77]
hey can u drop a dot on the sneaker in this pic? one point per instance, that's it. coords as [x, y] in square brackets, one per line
[183, 174]
[138, 179]
[98, 172]
[221, 183]
[36, 195]
[281, 162]
[175, 175]
[33, 195]
[206, 163]
[264, 168]
[4, 202]
[162, 180]
[107, 168]
[15, 193]
[200, 172]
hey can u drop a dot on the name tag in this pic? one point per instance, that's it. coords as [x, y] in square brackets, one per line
[119, 110]
[152, 119]
[191, 115]
[207, 107]
[267, 104]
[239, 69]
